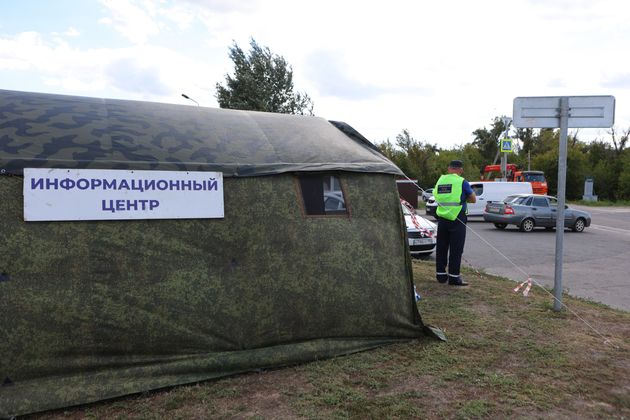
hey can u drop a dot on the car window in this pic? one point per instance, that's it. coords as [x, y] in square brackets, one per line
[540, 202]
[477, 189]
[553, 202]
[528, 202]
[510, 198]
[520, 200]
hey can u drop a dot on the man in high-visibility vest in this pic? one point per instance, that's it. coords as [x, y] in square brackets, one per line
[451, 193]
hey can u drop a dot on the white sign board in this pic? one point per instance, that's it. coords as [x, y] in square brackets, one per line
[544, 111]
[102, 194]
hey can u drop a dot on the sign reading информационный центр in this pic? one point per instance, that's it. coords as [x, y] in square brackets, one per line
[104, 194]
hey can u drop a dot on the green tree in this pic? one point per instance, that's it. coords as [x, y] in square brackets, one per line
[262, 81]
[603, 167]
[527, 137]
[624, 176]
[619, 141]
[577, 168]
[415, 158]
[396, 155]
[473, 160]
[487, 140]
[607, 165]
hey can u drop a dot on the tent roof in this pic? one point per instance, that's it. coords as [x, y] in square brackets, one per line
[56, 131]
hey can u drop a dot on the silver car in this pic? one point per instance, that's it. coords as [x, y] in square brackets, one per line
[528, 211]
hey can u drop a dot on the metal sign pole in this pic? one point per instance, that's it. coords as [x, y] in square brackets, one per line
[575, 111]
[562, 178]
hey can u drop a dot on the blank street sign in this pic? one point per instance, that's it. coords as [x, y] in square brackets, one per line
[544, 111]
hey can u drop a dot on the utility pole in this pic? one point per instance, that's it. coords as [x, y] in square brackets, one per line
[529, 159]
[506, 123]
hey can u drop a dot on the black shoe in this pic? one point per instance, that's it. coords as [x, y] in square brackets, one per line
[441, 279]
[457, 281]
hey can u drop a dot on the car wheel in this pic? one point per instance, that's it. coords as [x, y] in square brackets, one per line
[579, 225]
[527, 225]
[500, 225]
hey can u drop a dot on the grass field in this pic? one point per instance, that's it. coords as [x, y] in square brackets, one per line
[506, 356]
[602, 203]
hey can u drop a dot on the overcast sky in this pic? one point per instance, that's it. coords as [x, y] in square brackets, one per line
[440, 69]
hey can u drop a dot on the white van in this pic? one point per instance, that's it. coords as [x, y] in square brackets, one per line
[492, 191]
[486, 192]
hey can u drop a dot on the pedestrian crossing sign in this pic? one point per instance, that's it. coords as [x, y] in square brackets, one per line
[506, 145]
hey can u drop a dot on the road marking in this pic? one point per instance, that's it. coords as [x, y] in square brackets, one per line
[611, 229]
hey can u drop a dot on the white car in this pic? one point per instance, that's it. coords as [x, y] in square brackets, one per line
[427, 194]
[334, 203]
[421, 233]
[486, 192]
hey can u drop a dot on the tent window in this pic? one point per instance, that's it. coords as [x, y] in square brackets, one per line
[322, 195]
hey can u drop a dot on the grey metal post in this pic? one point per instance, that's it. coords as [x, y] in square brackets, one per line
[542, 112]
[529, 159]
[506, 122]
[562, 180]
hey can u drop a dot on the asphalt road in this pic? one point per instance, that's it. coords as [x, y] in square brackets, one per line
[596, 261]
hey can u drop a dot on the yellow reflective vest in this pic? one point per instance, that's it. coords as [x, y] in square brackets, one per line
[448, 196]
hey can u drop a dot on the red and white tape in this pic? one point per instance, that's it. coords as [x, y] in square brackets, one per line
[526, 290]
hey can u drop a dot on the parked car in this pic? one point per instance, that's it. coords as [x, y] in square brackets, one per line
[486, 192]
[528, 211]
[431, 207]
[421, 233]
[427, 194]
[334, 203]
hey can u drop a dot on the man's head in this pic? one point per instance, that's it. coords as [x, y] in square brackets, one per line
[456, 167]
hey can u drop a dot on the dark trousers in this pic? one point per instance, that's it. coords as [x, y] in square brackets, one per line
[451, 237]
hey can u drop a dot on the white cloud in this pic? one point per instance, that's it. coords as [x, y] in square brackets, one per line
[328, 72]
[225, 6]
[140, 72]
[182, 16]
[618, 81]
[440, 69]
[72, 32]
[128, 74]
[134, 22]
[23, 52]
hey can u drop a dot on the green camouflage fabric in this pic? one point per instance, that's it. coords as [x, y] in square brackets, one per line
[56, 131]
[95, 310]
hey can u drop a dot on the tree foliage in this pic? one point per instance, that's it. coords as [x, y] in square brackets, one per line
[425, 161]
[576, 170]
[487, 140]
[624, 176]
[606, 161]
[262, 81]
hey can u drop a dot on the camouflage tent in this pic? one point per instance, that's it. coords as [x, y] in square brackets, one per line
[97, 309]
